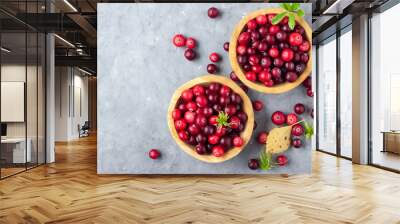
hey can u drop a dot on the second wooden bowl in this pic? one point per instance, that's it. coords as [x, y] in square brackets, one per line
[247, 108]
[280, 88]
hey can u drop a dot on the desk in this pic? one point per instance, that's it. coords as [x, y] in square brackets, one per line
[391, 141]
[16, 147]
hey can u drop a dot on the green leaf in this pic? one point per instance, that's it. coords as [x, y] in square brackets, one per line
[292, 21]
[265, 160]
[222, 119]
[300, 13]
[278, 18]
[286, 6]
[309, 130]
[283, 5]
[295, 6]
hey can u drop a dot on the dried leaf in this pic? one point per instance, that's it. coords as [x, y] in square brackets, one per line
[279, 140]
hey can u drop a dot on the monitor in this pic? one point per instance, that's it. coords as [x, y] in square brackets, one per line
[3, 129]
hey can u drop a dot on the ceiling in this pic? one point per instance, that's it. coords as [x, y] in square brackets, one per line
[75, 22]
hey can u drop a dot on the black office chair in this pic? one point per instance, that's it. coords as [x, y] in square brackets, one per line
[84, 130]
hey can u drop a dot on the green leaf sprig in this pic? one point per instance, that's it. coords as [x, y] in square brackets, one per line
[308, 128]
[291, 9]
[265, 160]
[223, 119]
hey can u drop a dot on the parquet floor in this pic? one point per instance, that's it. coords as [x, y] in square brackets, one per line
[70, 191]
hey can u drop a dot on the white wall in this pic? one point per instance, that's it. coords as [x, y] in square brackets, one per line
[71, 102]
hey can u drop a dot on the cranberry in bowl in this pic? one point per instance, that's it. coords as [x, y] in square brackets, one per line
[271, 58]
[211, 118]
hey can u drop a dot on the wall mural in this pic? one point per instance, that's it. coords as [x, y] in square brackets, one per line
[204, 88]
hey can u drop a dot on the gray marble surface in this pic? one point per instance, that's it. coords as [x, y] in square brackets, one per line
[139, 70]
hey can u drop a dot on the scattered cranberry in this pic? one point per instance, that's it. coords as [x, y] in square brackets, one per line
[278, 118]
[212, 68]
[214, 57]
[190, 54]
[213, 12]
[297, 130]
[307, 83]
[258, 105]
[296, 143]
[226, 46]
[154, 154]
[282, 160]
[234, 77]
[262, 137]
[190, 42]
[253, 164]
[218, 151]
[291, 119]
[179, 40]
[238, 141]
[299, 108]
[310, 93]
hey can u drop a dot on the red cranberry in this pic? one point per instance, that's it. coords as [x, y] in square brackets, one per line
[226, 46]
[238, 141]
[285, 28]
[287, 54]
[270, 39]
[190, 54]
[212, 68]
[176, 114]
[296, 57]
[201, 138]
[180, 125]
[183, 135]
[295, 39]
[213, 120]
[201, 101]
[253, 164]
[201, 149]
[297, 130]
[283, 46]
[254, 60]
[265, 62]
[244, 38]
[234, 76]
[296, 143]
[281, 36]
[270, 17]
[179, 40]
[278, 62]
[274, 29]
[191, 106]
[241, 49]
[198, 90]
[247, 67]
[256, 68]
[308, 82]
[254, 36]
[252, 24]
[209, 130]
[226, 142]
[230, 109]
[242, 116]
[213, 12]
[191, 140]
[154, 154]
[212, 98]
[224, 90]
[193, 129]
[299, 29]
[187, 95]
[252, 76]
[291, 76]
[220, 131]
[278, 118]
[262, 137]
[304, 57]
[182, 107]
[207, 111]
[244, 87]
[262, 46]
[300, 68]
[273, 52]
[242, 59]
[190, 117]
[201, 120]
[299, 108]
[261, 20]
[235, 98]
[218, 151]
[291, 119]
[258, 105]
[234, 122]
[310, 93]
[281, 160]
[214, 87]
[217, 108]
[263, 31]
[190, 42]
[264, 76]
[214, 57]
[251, 51]
[305, 46]
[224, 100]
[269, 83]
[289, 66]
[276, 73]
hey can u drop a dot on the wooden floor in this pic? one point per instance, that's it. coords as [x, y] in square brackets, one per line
[70, 191]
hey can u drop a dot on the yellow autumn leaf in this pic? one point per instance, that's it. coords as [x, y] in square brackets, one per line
[278, 140]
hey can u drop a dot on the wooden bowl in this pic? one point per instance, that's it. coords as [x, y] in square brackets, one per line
[247, 108]
[279, 88]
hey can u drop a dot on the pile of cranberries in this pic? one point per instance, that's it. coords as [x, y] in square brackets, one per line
[272, 54]
[190, 43]
[210, 118]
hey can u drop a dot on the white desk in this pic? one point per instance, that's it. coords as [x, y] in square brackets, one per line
[18, 144]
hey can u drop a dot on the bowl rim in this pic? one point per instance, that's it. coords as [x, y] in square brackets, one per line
[247, 108]
[280, 88]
